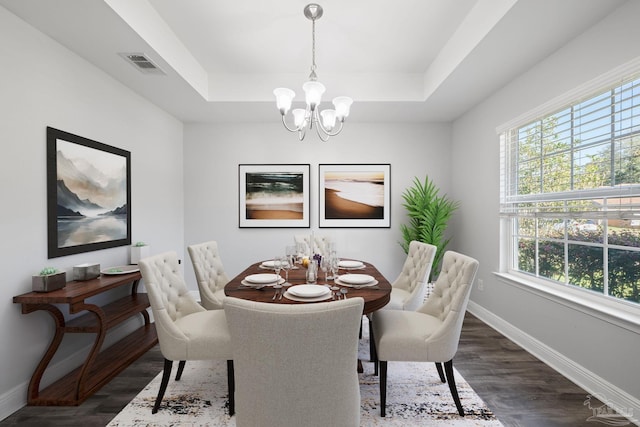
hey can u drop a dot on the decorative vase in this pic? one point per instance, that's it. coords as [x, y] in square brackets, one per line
[139, 252]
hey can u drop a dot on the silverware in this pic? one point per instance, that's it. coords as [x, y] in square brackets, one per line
[344, 291]
[278, 292]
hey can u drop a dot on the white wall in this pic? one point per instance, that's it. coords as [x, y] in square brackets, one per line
[608, 351]
[212, 155]
[43, 84]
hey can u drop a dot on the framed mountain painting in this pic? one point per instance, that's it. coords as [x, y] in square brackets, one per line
[88, 194]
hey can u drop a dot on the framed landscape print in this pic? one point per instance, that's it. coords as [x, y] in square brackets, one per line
[273, 195]
[355, 195]
[88, 194]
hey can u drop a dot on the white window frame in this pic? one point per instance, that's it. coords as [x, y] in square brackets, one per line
[610, 309]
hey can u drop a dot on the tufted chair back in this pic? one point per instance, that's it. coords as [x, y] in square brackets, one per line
[321, 242]
[448, 302]
[415, 274]
[209, 274]
[169, 298]
[295, 365]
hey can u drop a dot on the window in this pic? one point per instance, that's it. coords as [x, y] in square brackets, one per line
[570, 193]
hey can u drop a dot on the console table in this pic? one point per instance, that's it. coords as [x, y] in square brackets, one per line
[100, 366]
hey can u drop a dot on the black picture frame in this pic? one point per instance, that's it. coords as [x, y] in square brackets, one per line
[354, 195]
[88, 194]
[273, 196]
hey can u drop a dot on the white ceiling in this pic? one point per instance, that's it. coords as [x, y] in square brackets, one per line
[407, 60]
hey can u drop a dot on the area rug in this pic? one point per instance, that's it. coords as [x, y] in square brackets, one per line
[415, 397]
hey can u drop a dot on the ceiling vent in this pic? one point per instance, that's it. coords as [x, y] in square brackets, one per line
[142, 63]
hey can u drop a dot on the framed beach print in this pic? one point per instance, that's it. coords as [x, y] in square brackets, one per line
[273, 195]
[88, 194]
[355, 195]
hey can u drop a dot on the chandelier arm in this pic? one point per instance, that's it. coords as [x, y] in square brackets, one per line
[324, 136]
[284, 122]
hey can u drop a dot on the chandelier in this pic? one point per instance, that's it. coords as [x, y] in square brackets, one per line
[310, 117]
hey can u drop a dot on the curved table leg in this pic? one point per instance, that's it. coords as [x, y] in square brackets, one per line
[95, 349]
[34, 384]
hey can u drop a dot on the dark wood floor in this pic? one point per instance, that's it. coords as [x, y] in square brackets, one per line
[519, 389]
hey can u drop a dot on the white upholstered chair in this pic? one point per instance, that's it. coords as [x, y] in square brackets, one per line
[431, 333]
[295, 365]
[409, 288]
[186, 330]
[210, 274]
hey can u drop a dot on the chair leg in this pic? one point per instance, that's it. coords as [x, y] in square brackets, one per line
[180, 369]
[231, 385]
[440, 372]
[448, 368]
[373, 350]
[383, 388]
[166, 373]
[372, 344]
[361, 323]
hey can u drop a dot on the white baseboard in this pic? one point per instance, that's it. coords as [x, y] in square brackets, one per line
[593, 384]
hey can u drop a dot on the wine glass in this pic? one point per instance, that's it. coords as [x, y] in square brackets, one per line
[291, 252]
[301, 249]
[333, 266]
[277, 265]
[286, 266]
[325, 266]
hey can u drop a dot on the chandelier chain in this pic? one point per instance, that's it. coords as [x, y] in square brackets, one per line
[313, 46]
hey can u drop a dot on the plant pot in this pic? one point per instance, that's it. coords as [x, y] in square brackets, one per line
[139, 252]
[49, 283]
[86, 271]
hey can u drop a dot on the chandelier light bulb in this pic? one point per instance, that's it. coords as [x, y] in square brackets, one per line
[284, 97]
[299, 118]
[328, 119]
[342, 105]
[313, 93]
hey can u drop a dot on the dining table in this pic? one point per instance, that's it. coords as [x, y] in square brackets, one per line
[375, 297]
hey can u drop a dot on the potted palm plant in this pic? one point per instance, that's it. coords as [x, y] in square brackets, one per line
[429, 214]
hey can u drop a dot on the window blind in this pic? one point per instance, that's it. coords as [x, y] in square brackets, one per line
[582, 161]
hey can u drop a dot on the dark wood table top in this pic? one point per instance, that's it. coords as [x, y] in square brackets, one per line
[374, 297]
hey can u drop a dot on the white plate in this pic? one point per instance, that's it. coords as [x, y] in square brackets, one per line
[261, 285]
[120, 269]
[268, 264]
[292, 297]
[356, 279]
[262, 278]
[309, 291]
[350, 264]
[351, 285]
